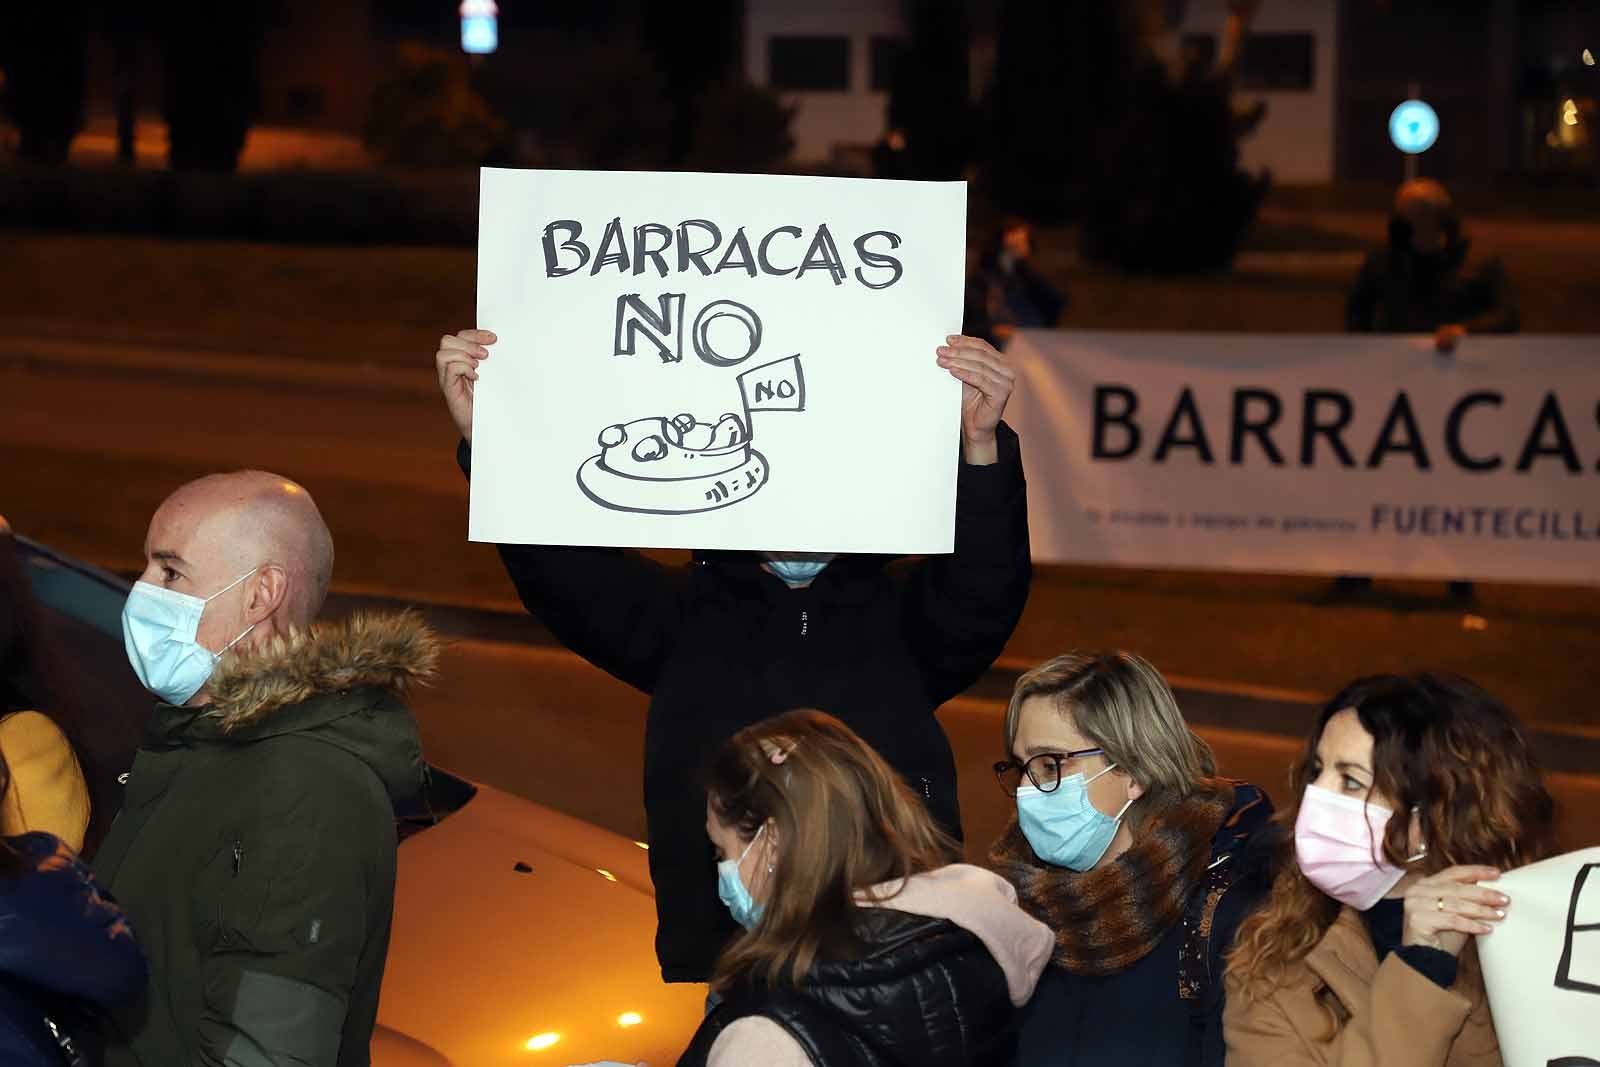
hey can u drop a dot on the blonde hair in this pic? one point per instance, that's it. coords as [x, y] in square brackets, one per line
[1121, 703]
[845, 822]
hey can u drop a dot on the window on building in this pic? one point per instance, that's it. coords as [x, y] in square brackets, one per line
[886, 53]
[1277, 61]
[809, 64]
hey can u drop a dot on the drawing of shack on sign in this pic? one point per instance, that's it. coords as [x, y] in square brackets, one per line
[681, 465]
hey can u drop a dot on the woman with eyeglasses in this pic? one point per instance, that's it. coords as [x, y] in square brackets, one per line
[1135, 854]
[1413, 795]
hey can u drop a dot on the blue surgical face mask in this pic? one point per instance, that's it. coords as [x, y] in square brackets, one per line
[731, 888]
[800, 568]
[1062, 827]
[158, 630]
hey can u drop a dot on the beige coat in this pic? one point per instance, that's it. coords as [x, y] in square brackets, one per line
[1393, 1016]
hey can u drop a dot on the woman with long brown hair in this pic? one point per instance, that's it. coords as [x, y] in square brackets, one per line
[864, 943]
[1411, 793]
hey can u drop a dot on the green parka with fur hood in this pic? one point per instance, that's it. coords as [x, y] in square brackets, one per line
[255, 850]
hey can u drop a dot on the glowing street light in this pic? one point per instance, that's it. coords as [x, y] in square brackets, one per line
[480, 27]
[1413, 127]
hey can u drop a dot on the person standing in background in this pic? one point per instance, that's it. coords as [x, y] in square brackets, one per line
[1007, 293]
[1422, 282]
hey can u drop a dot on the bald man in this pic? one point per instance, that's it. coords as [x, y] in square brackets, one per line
[1422, 281]
[255, 850]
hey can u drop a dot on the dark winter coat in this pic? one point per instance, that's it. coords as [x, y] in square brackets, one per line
[721, 644]
[255, 852]
[1139, 1015]
[66, 952]
[1402, 291]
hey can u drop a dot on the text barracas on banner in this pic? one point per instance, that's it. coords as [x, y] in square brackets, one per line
[1315, 427]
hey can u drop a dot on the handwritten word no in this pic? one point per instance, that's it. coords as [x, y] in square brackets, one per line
[662, 326]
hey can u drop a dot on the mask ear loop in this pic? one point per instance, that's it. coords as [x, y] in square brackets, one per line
[249, 573]
[236, 640]
[1109, 768]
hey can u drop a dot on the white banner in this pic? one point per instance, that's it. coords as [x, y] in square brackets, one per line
[1313, 454]
[717, 361]
[1541, 965]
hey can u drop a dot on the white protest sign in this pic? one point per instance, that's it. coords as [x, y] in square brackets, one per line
[1541, 965]
[717, 361]
[1330, 454]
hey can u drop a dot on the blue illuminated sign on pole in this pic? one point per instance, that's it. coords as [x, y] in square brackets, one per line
[480, 27]
[1413, 127]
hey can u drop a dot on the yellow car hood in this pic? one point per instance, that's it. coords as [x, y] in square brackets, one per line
[486, 958]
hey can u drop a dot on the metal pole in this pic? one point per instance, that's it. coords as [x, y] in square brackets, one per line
[125, 60]
[1413, 92]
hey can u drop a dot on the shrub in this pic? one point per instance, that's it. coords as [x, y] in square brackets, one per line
[741, 129]
[426, 112]
[590, 105]
[210, 51]
[44, 52]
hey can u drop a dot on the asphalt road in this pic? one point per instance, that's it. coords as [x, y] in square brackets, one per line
[94, 435]
[538, 722]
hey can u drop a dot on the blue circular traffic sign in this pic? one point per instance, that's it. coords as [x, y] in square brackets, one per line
[1413, 127]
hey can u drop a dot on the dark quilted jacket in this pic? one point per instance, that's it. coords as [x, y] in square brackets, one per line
[927, 994]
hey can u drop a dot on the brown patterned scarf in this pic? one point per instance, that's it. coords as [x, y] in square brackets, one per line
[1107, 919]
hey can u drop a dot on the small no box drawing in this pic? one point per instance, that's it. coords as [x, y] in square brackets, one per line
[683, 464]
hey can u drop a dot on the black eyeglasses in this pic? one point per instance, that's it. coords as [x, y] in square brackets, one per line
[1043, 770]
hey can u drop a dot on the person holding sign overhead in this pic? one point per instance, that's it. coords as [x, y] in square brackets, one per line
[1416, 794]
[735, 637]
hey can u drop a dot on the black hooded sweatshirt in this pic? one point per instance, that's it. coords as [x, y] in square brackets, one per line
[720, 644]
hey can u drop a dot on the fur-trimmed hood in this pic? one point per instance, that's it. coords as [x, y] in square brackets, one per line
[385, 651]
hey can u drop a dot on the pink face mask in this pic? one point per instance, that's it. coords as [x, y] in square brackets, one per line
[1338, 841]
